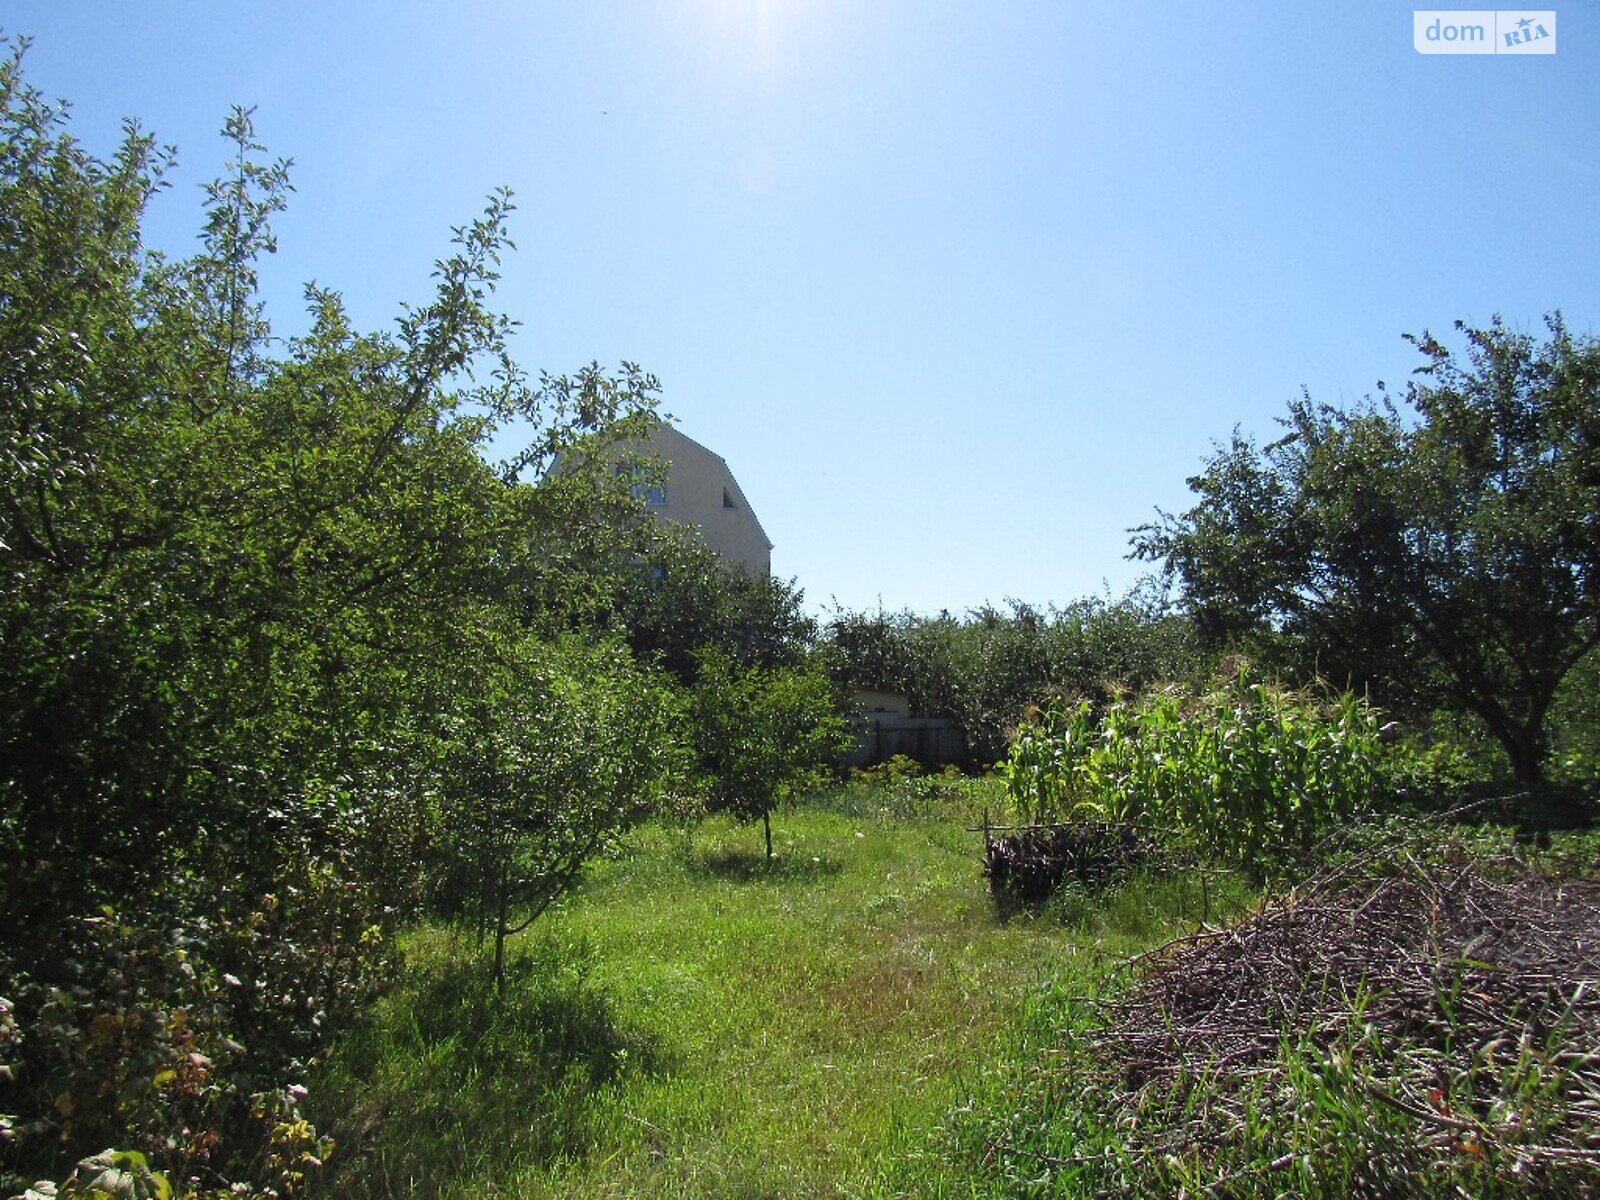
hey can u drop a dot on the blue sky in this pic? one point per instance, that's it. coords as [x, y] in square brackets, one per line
[962, 291]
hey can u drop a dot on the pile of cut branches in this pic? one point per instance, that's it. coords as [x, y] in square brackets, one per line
[1025, 866]
[1439, 1024]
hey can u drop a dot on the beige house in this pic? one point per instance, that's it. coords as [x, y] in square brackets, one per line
[699, 490]
[882, 702]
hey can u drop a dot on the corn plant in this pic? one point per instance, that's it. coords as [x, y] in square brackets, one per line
[1249, 769]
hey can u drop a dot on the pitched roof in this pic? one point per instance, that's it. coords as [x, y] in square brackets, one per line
[733, 479]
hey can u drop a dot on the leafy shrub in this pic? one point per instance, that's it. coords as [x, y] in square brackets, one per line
[557, 750]
[1575, 715]
[241, 580]
[985, 668]
[183, 1044]
[890, 773]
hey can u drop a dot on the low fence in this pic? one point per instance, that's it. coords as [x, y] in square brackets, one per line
[932, 741]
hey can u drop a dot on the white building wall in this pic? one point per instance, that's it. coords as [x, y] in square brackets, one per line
[700, 491]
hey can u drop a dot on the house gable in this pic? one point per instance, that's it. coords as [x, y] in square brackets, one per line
[699, 490]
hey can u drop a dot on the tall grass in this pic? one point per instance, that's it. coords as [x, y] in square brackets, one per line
[695, 1023]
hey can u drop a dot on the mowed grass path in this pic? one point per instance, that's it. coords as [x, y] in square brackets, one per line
[802, 1029]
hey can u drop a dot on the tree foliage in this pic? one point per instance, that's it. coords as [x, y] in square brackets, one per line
[684, 597]
[985, 669]
[267, 611]
[760, 734]
[555, 750]
[1446, 548]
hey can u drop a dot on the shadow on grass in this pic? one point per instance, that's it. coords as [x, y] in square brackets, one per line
[450, 1081]
[746, 866]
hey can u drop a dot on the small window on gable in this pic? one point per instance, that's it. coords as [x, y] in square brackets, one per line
[727, 500]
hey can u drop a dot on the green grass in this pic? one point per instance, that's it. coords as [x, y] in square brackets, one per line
[695, 1023]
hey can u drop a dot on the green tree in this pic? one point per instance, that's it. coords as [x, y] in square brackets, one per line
[1450, 545]
[760, 734]
[242, 583]
[682, 596]
[987, 669]
[553, 751]
[230, 574]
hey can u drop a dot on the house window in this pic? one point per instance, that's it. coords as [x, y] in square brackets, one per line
[727, 500]
[653, 494]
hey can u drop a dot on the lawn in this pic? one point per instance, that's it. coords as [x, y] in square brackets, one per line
[697, 1022]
